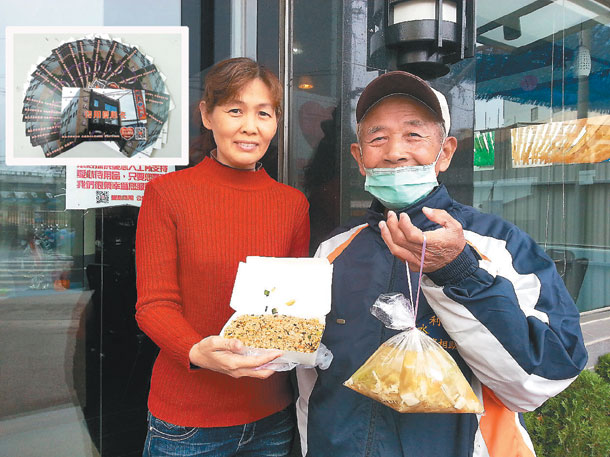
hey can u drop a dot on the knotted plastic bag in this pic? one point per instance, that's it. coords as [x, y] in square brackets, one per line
[411, 372]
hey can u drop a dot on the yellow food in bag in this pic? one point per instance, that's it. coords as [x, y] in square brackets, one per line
[412, 373]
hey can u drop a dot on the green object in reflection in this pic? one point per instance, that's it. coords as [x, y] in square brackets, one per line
[484, 149]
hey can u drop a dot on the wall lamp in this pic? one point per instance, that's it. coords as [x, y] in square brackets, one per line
[420, 36]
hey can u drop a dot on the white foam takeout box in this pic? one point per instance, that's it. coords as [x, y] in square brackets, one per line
[299, 287]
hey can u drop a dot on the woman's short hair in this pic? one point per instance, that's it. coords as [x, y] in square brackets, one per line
[227, 78]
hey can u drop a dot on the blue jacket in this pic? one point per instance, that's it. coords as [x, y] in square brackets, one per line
[500, 309]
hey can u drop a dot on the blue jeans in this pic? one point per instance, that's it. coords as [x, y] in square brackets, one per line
[268, 437]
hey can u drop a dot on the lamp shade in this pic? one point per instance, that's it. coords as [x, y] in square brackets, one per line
[419, 10]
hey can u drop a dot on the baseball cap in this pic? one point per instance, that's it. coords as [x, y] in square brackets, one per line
[403, 83]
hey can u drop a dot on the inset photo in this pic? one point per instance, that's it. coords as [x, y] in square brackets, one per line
[100, 96]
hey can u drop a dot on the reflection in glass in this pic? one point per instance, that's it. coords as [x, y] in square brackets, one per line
[314, 121]
[43, 302]
[74, 367]
[542, 99]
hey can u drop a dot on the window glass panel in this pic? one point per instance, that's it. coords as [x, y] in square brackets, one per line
[542, 123]
[314, 113]
[75, 369]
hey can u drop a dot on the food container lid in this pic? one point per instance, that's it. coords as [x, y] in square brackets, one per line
[294, 286]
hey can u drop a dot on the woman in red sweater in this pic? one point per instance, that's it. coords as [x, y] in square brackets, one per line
[194, 227]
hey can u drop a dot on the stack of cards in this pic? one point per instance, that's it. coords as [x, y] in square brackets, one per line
[96, 89]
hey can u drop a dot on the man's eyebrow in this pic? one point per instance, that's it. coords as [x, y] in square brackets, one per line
[374, 129]
[415, 123]
[412, 123]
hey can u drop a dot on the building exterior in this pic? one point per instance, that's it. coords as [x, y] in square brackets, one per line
[103, 115]
[73, 121]
[531, 112]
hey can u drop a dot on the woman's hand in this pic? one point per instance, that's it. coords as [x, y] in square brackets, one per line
[222, 355]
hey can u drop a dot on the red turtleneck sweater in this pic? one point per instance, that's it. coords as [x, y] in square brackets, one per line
[194, 227]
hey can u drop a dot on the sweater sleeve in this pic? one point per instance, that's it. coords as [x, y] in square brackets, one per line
[300, 238]
[159, 306]
[512, 319]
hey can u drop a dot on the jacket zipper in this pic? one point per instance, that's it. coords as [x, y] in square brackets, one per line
[376, 405]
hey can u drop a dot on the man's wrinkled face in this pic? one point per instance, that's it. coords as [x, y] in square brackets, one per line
[401, 131]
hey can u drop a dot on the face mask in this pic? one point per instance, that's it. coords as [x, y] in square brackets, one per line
[401, 186]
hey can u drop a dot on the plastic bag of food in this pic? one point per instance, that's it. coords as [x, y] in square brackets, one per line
[411, 372]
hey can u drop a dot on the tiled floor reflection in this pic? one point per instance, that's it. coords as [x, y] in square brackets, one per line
[60, 432]
[63, 369]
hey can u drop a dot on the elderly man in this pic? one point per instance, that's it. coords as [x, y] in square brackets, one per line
[491, 297]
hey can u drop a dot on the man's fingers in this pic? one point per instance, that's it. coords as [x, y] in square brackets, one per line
[402, 230]
[387, 237]
[392, 221]
[441, 217]
[394, 248]
[404, 239]
[411, 233]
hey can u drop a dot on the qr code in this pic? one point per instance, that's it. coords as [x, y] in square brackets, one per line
[102, 196]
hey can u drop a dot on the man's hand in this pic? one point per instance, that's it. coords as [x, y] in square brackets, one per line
[405, 240]
[223, 355]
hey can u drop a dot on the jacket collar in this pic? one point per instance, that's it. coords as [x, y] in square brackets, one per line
[439, 198]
